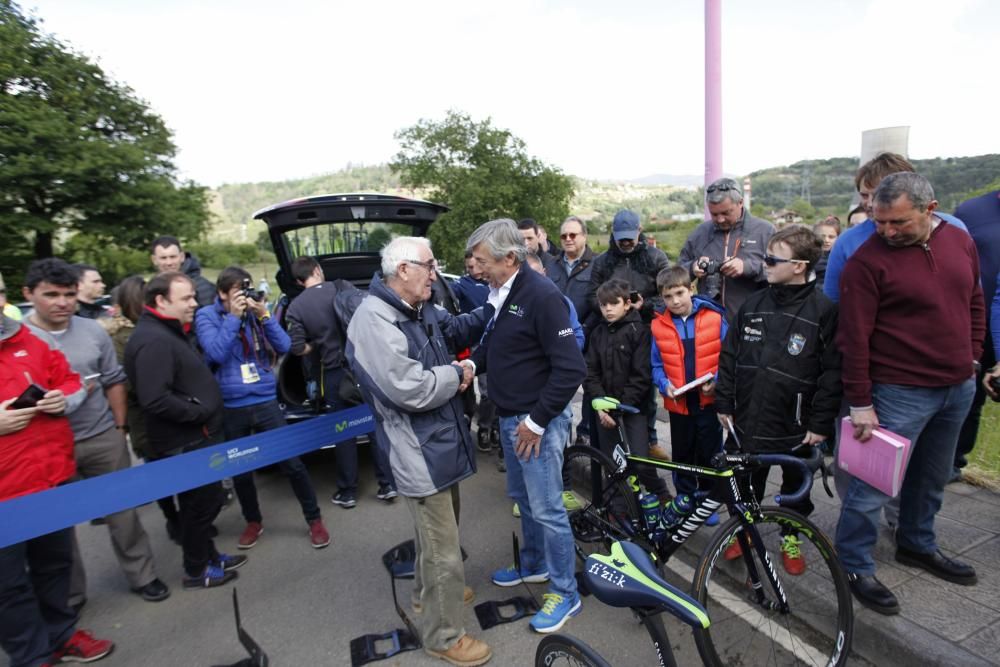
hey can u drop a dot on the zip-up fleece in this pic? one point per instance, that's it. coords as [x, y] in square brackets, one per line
[530, 352]
[400, 359]
[779, 370]
[912, 315]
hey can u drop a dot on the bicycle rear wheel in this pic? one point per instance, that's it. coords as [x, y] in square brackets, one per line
[557, 650]
[819, 623]
[607, 507]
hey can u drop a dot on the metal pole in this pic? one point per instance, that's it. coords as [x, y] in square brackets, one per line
[713, 92]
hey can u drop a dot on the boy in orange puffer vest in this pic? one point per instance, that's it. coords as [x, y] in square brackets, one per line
[687, 339]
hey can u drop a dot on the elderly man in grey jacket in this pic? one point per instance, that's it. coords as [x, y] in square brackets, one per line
[726, 253]
[397, 346]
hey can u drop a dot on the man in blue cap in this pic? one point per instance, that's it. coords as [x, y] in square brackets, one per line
[630, 257]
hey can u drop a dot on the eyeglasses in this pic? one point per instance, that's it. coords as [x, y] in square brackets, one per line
[569, 237]
[771, 260]
[431, 265]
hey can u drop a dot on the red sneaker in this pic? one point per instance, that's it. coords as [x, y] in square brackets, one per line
[82, 647]
[250, 535]
[318, 534]
[734, 550]
[791, 555]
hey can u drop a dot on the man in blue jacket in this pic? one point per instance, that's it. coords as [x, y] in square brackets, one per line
[241, 343]
[535, 367]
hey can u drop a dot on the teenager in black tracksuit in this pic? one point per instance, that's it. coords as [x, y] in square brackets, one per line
[779, 370]
[618, 366]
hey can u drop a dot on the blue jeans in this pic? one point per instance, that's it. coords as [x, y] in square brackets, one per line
[931, 418]
[266, 416]
[536, 486]
[35, 617]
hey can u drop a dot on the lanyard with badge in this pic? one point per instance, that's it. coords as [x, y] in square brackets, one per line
[248, 370]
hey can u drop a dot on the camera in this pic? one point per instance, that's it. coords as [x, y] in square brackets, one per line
[247, 290]
[710, 266]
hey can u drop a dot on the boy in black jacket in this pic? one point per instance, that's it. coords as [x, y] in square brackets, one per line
[618, 366]
[779, 371]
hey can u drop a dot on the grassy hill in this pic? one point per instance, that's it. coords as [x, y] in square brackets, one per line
[826, 186]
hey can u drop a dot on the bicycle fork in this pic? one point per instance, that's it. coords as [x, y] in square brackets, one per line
[750, 542]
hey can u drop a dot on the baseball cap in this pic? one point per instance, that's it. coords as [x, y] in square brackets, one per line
[625, 225]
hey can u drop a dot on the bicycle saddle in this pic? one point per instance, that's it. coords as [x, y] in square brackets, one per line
[628, 578]
[608, 403]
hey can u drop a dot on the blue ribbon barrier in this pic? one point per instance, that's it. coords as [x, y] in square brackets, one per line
[26, 517]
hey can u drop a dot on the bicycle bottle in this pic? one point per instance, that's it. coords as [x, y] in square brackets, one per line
[650, 505]
[675, 511]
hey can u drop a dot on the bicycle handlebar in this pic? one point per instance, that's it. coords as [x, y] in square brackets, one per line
[807, 465]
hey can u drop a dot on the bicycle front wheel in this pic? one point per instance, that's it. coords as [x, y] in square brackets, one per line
[816, 626]
[558, 650]
[605, 508]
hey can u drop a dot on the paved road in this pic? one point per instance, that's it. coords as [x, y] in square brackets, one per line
[305, 605]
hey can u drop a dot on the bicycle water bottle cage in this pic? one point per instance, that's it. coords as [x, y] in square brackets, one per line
[608, 403]
[628, 578]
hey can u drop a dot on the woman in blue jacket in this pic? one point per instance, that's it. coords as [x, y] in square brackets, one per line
[241, 344]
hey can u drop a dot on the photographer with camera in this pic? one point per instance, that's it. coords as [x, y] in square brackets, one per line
[726, 253]
[241, 344]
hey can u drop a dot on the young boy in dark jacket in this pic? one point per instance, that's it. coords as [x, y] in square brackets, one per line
[779, 371]
[618, 366]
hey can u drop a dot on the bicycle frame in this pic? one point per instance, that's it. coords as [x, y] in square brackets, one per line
[726, 491]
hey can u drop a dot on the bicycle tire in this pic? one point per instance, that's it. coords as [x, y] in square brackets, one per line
[820, 623]
[557, 650]
[607, 514]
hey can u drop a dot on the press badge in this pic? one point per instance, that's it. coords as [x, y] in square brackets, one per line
[250, 374]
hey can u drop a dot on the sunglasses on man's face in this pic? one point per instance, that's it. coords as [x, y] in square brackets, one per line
[568, 237]
[771, 260]
[723, 187]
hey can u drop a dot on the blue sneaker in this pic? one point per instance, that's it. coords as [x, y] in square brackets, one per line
[556, 610]
[509, 576]
[230, 563]
[712, 520]
[211, 576]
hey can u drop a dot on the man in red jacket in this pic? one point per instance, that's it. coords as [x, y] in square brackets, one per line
[37, 625]
[912, 323]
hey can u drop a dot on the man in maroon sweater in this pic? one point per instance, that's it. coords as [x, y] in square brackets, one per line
[912, 322]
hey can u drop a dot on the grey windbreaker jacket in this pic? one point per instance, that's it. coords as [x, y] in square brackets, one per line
[400, 360]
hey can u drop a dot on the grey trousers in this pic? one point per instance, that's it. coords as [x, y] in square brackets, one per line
[439, 578]
[99, 455]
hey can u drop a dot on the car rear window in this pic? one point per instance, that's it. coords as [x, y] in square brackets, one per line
[341, 238]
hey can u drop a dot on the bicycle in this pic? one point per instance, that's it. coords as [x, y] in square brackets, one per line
[626, 578]
[807, 619]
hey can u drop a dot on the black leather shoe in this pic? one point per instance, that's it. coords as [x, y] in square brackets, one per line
[483, 442]
[873, 594]
[154, 591]
[939, 565]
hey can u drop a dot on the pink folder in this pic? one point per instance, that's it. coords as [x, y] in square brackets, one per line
[881, 461]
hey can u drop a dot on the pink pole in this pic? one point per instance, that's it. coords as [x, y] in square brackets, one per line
[713, 91]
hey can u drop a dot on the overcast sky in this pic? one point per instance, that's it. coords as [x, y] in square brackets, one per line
[264, 90]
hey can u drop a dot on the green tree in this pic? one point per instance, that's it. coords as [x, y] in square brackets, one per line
[80, 153]
[482, 173]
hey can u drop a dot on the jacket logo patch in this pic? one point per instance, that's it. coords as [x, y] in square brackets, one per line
[565, 332]
[21, 353]
[795, 344]
[751, 335]
[514, 309]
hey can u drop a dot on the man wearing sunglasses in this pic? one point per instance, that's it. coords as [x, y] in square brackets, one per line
[726, 253]
[574, 266]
